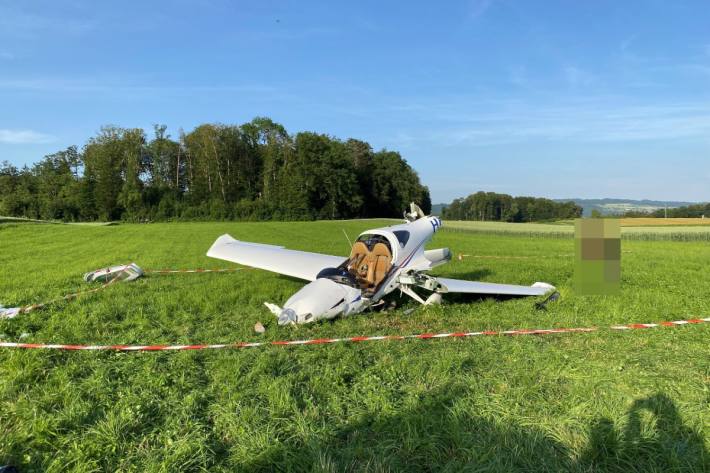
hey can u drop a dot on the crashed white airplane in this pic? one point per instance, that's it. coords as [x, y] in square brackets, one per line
[381, 260]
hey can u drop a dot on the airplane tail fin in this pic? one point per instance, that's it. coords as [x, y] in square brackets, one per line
[415, 213]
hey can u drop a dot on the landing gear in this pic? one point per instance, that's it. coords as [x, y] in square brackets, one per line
[424, 281]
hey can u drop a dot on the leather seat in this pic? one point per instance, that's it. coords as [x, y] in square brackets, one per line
[382, 267]
[381, 261]
[370, 267]
[358, 252]
[358, 263]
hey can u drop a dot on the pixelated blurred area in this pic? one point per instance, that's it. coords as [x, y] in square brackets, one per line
[597, 256]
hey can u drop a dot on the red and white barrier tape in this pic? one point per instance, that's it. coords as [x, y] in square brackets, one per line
[29, 308]
[14, 312]
[174, 271]
[324, 341]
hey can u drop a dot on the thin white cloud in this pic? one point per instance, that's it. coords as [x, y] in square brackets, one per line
[6, 55]
[108, 86]
[626, 43]
[289, 34]
[577, 77]
[21, 137]
[479, 8]
[690, 69]
[20, 23]
[471, 123]
[518, 75]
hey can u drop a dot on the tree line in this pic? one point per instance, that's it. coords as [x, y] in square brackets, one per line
[491, 206]
[689, 211]
[254, 171]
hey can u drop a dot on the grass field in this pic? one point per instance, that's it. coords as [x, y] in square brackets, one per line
[678, 229]
[603, 401]
[663, 222]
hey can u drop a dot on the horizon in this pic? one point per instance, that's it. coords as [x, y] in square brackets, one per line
[512, 97]
[571, 199]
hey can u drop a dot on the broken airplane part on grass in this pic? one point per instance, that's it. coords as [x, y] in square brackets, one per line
[381, 261]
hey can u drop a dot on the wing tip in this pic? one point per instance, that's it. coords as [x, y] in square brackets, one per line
[546, 286]
[221, 240]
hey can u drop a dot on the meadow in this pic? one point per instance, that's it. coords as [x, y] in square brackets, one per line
[649, 229]
[663, 222]
[603, 401]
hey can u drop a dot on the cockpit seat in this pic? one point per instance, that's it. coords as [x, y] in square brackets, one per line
[380, 260]
[359, 251]
[369, 266]
[358, 262]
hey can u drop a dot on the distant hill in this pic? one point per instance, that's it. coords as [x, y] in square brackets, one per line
[436, 209]
[619, 206]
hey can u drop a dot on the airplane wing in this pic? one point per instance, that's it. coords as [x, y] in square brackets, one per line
[475, 287]
[297, 264]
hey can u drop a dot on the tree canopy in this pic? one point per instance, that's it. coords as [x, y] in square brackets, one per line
[492, 206]
[253, 171]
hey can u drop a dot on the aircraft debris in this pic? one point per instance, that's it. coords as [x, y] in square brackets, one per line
[127, 272]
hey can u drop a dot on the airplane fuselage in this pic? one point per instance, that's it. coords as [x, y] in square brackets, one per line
[339, 292]
[380, 261]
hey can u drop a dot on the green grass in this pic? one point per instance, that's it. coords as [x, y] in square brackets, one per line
[603, 401]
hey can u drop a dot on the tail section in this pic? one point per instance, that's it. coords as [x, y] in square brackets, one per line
[415, 213]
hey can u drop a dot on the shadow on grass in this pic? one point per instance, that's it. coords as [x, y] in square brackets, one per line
[438, 434]
[670, 446]
[475, 275]
[465, 298]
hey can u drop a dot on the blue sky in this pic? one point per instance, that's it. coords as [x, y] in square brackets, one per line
[548, 98]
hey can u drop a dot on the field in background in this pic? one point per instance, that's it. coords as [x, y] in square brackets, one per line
[603, 401]
[662, 222]
[677, 229]
[57, 222]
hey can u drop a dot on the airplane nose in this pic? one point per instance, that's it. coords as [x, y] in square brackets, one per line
[287, 316]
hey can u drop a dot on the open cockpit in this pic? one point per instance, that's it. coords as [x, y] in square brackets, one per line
[367, 266]
[370, 261]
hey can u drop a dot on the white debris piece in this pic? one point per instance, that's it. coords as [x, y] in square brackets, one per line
[9, 312]
[127, 272]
